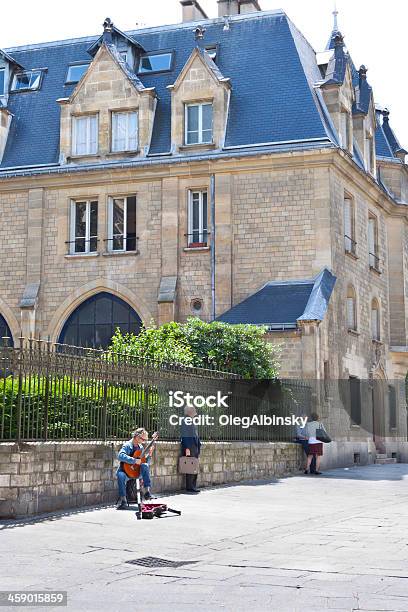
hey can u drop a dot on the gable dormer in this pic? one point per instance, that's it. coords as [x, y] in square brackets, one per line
[338, 92]
[110, 113]
[199, 104]
[128, 48]
[364, 120]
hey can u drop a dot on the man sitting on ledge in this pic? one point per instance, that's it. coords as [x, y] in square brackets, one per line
[125, 455]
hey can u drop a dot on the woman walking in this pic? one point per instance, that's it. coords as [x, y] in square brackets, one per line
[315, 446]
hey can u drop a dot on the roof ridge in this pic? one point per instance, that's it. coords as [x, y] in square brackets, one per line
[147, 30]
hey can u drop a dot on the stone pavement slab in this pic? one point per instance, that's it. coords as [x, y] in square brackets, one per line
[336, 542]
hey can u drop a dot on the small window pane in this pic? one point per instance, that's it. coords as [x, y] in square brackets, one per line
[80, 227]
[207, 120]
[27, 80]
[155, 63]
[2, 77]
[118, 223]
[131, 224]
[192, 124]
[75, 73]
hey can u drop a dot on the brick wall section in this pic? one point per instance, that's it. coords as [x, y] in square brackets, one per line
[47, 477]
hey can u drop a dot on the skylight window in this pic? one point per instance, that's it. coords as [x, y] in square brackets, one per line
[75, 72]
[27, 81]
[156, 62]
[212, 52]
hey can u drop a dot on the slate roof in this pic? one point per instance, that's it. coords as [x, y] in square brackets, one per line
[386, 142]
[281, 304]
[270, 65]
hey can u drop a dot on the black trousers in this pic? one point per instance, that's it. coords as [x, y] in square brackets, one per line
[191, 479]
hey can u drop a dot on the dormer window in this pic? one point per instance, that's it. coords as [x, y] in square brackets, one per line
[27, 81]
[199, 123]
[75, 73]
[124, 131]
[370, 155]
[212, 52]
[85, 135]
[2, 80]
[345, 130]
[155, 62]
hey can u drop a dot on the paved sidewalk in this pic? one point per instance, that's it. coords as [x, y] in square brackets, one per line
[306, 543]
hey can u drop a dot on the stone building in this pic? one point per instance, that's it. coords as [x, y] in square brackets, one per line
[218, 168]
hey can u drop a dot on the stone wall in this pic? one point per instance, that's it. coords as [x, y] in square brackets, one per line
[43, 477]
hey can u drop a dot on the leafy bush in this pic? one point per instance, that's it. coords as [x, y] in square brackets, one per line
[241, 349]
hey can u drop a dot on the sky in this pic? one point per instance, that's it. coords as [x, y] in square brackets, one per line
[374, 31]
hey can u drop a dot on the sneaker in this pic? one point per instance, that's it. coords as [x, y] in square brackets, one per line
[148, 496]
[306, 472]
[121, 505]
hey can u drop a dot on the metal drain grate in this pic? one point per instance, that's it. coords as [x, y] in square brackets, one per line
[158, 562]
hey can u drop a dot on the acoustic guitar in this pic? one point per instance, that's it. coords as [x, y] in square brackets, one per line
[133, 470]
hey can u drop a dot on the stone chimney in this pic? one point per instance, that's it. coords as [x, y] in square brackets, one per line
[192, 11]
[237, 7]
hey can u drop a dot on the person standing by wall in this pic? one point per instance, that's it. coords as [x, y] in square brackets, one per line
[301, 438]
[315, 446]
[190, 446]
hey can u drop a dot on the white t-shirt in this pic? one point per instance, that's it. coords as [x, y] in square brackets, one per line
[311, 429]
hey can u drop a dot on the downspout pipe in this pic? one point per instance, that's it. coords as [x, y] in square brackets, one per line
[212, 198]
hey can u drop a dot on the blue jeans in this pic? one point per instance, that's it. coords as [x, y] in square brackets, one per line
[123, 478]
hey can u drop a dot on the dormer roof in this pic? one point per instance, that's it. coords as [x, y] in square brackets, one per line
[110, 33]
[387, 144]
[8, 58]
[363, 92]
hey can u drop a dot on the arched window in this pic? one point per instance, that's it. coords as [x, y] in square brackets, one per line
[95, 321]
[375, 320]
[5, 332]
[351, 308]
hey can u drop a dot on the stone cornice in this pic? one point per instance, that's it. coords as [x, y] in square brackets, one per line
[262, 161]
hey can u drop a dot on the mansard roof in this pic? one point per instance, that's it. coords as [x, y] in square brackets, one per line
[282, 304]
[271, 66]
[387, 144]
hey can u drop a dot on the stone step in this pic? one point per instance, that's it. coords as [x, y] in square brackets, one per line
[385, 460]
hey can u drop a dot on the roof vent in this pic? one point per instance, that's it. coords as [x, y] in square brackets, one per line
[192, 11]
[237, 7]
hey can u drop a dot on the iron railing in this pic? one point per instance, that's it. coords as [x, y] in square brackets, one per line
[57, 392]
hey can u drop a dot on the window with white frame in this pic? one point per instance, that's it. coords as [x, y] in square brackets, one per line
[122, 224]
[374, 260]
[375, 320]
[199, 123]
[197, 219]
[27, 81]
[124, 131]
[351, 309]
[85, 135]
[76, 72]
[84, 227]
[370, 154]
[349, 226]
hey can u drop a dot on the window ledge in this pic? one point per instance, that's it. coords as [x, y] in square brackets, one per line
[119, 253]
[375, 270]
[352, 255]
[353, 332]
[355, 426]
[127, 153]
[84, 157]
[81, 255]
[196, 249]
[200, 146]
[377, 342]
